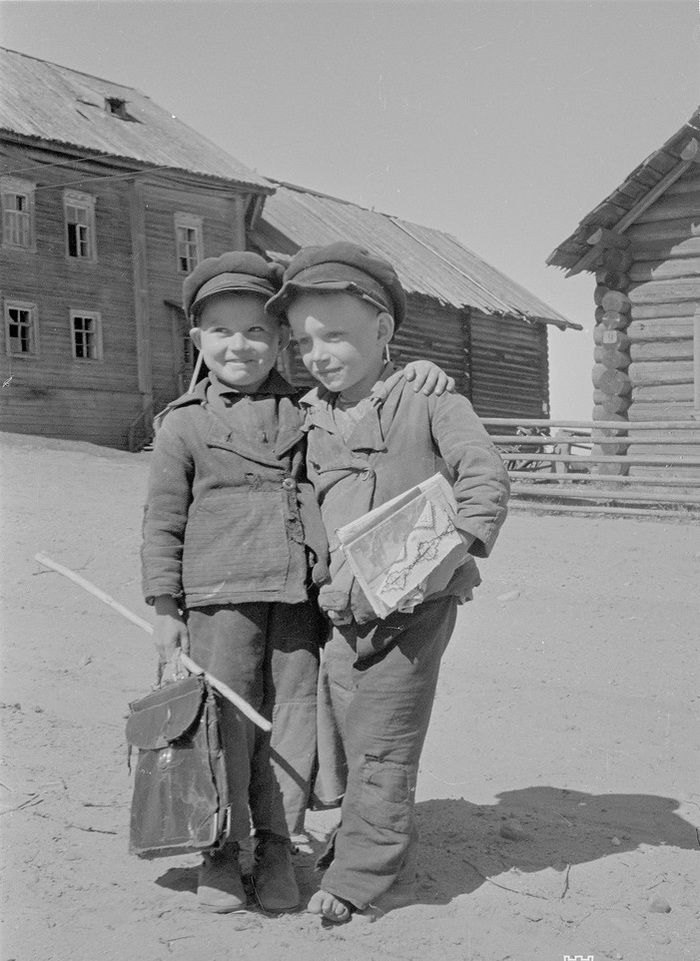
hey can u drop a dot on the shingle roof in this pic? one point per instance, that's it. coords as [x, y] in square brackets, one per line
[630, 192]
[428, 261]
[47, 102]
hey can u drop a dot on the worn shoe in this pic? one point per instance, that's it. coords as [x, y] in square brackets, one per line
[273, 874]
[220, 888]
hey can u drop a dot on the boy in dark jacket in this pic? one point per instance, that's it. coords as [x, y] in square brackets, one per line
[229, 539]
[231, 531]
[370, 438]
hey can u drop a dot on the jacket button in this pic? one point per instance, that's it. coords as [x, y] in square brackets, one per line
[289, 484]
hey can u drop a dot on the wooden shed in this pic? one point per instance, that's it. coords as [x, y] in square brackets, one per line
[643, 245]
[478, 324]
[108, 201]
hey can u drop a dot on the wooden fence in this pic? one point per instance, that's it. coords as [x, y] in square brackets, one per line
[584, 466]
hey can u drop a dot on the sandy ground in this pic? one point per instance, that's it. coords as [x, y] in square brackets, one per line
[568, 702]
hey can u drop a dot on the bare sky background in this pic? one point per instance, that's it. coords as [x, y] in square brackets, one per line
[502, 122]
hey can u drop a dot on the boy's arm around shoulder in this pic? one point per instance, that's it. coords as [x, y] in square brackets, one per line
[165, 513]
[480, 480]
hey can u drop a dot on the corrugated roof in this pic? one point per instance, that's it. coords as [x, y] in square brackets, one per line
[629, 193]
[45, 101]
[428, 261]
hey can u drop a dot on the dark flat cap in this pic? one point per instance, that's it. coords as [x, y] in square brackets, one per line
[236, 270]
[342, 266]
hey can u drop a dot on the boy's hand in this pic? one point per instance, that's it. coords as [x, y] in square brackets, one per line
[425, 376]
[170, 633]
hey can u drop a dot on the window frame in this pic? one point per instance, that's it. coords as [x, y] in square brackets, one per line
[74, 198]
[11, 186]
[186, 221]
[95, 315]
[33, 310]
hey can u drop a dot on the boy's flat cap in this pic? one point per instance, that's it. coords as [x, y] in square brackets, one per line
[342, 266]
[239, 270]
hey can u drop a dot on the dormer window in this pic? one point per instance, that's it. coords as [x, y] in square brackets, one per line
[116, 107]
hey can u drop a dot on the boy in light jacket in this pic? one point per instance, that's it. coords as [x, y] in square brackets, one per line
[371, 438]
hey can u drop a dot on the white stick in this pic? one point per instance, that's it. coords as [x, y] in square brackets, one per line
[187, 662]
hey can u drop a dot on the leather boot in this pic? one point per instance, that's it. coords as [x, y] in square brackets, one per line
[273, 873]
[220, 888]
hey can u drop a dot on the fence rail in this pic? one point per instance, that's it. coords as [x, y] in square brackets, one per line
[568, 466]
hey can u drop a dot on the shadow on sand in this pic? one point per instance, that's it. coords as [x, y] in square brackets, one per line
[462, 845]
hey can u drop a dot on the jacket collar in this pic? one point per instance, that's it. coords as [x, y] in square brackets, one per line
[368, 434]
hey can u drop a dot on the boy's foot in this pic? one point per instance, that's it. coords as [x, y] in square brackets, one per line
[273, 873]
[220, 888]
[330, 907]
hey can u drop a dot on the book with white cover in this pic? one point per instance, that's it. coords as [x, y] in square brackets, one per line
[406, 547]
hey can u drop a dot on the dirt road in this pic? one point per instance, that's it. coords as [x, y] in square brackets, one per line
[558, 794]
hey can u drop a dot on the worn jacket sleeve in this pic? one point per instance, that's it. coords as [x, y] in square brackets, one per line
[165, 514]
[480, 480]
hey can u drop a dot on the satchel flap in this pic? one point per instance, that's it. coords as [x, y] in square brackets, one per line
[165, 715]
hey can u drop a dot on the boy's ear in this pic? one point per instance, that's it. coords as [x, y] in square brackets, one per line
[385, 326]
[196, 337]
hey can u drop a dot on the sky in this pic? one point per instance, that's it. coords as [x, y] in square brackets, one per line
[501, 122]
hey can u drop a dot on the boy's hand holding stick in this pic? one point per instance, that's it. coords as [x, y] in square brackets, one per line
[185, 660]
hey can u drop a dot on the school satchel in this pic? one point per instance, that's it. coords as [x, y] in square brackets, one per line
[180, 800]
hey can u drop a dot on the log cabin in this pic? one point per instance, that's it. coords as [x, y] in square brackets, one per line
[482, 327]
[642, 243]
[108, 201]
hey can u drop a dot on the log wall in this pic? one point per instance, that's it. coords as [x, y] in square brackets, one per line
[646, 298]
[509, 367]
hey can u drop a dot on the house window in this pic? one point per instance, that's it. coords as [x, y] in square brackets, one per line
[17, 213]
[20, 329]
[80, 225]
[188, 241]
[86, 334]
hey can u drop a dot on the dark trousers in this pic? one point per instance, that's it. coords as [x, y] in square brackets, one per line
[376, 692]
[267, 653]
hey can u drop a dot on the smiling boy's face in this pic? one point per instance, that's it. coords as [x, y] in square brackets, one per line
[238, 340]
[341, 340]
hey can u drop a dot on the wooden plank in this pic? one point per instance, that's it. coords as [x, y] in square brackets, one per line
[665, 269]
[553, 480]
[674, 413]
[681, 227]
[655, 250]
[595, 439]
[533, 490]
[663, 393]
[141, 294]
[586, 424]
[594, 509]
[665, 350]
[661, 310]
[660, 329]
[660, 372]
[665, 291]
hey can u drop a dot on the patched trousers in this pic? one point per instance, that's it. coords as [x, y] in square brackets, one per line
[376, 690]
[267, 653]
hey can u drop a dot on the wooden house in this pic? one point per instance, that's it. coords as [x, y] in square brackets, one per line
[108, 201]
[643, 245]
[486, 330]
